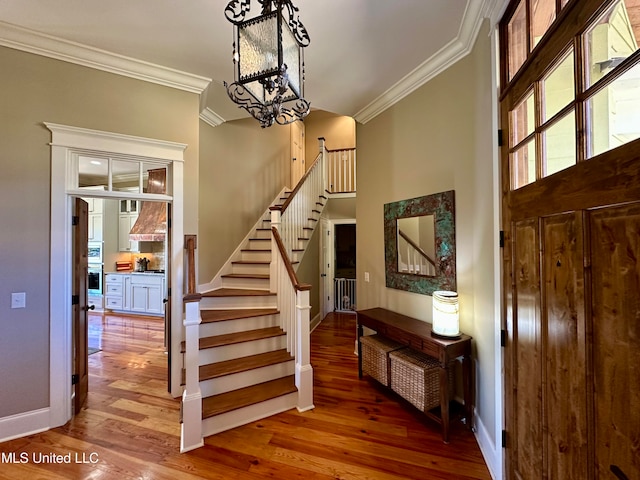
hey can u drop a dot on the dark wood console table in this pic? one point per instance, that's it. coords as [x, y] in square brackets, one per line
[416, 334]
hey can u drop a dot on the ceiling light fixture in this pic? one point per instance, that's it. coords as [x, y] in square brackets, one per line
[268, 61]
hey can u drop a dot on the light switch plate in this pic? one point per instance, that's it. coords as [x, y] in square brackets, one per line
[18, 300]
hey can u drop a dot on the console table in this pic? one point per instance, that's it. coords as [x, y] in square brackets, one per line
[417, 335]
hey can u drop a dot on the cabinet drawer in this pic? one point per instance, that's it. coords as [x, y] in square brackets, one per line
[110, 278]
[114, 289]
[146, 279]
[114, 302]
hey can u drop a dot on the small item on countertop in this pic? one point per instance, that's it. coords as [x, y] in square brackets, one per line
[122, 266]
[143, 264]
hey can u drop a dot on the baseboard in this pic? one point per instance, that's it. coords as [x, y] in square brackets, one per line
[23, 424]
[315, 321]
[492, 456]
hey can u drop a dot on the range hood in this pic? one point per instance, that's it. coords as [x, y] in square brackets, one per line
[151, 225]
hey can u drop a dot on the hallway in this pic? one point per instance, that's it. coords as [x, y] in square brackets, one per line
[130, 428]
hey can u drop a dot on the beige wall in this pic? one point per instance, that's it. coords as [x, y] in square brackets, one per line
[438, 138]
[35, 89]
[242, 169]
[338, 131]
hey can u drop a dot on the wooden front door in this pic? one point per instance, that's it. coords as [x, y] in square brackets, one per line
[571, 215]
[80, 305]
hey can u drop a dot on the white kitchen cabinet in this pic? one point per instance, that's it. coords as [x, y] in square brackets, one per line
[95, 218]
[141, 293]
[115, 293]
[147, 293]
[125, 223]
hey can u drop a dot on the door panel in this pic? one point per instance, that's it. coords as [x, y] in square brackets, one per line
[565, 348]
[527, 351]
[80, 320]
[298, 167]
[615, 248]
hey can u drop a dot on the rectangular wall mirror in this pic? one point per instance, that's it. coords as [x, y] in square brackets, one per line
[420, 243]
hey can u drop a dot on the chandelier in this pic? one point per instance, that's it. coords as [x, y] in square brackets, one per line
[268, 61]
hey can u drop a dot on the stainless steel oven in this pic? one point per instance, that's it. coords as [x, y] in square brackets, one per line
[94, 281]
[94, 253]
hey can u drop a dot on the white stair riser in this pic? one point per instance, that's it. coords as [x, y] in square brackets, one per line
[246, 379]
[262, 301]
[259, 243]
[251, 413]
[256, 255]
[244, 349]
[255, 268]
[250, 283]
[264, 233]
[238, 325]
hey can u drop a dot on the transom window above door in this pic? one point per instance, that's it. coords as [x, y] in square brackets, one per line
[570, 95]
[111, 174]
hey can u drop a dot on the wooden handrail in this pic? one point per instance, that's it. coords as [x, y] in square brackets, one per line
[289, 199]
[418, 249]
[190, 245]
[341, 149]
[292, 274]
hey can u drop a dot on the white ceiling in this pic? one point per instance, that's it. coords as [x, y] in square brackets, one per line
[364, 54]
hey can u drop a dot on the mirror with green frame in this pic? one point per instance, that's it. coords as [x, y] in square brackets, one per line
[420, 247]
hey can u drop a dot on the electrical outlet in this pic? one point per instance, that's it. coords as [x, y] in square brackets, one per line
[18, 300]
[366, 276]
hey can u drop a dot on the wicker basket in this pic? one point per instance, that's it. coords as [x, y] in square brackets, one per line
[416, 377]
[375, 356]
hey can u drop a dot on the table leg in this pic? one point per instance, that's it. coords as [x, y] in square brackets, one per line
[444, 403]
[359, 333]
[468, 392]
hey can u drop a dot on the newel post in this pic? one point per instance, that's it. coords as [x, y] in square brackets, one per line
[191, 429]
[304, 370]
[325, 173]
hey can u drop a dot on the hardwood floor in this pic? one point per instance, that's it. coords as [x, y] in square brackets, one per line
[129, 428]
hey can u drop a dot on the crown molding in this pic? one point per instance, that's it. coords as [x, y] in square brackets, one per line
[455, 50]
[211, 117]
[30, 41]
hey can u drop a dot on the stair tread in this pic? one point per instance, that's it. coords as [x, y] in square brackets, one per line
[251, 262]
[243, 397]
[237, 292]
[246, 275]
[242, 364]
[210, 316]
[257, 250]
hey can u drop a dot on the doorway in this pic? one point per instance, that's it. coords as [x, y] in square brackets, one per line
[68, 143]
[338, 265]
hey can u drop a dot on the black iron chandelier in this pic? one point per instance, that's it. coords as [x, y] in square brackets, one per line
[268, 61]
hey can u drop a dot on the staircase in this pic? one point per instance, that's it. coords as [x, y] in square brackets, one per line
[246, 361]
[246, 336]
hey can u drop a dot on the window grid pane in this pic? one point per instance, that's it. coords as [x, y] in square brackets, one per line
[611, 40]
[523, 165]
[543, 13]
[614, 114]
[560, 145]
[558, 88]
[522, 120]
[517, 37]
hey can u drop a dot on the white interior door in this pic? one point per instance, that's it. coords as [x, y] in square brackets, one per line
[298, 166]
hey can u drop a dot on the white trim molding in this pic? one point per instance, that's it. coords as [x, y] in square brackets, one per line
[66, 142]
[455, 50]
[211, 117]
[20, 38]
[23, 424]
